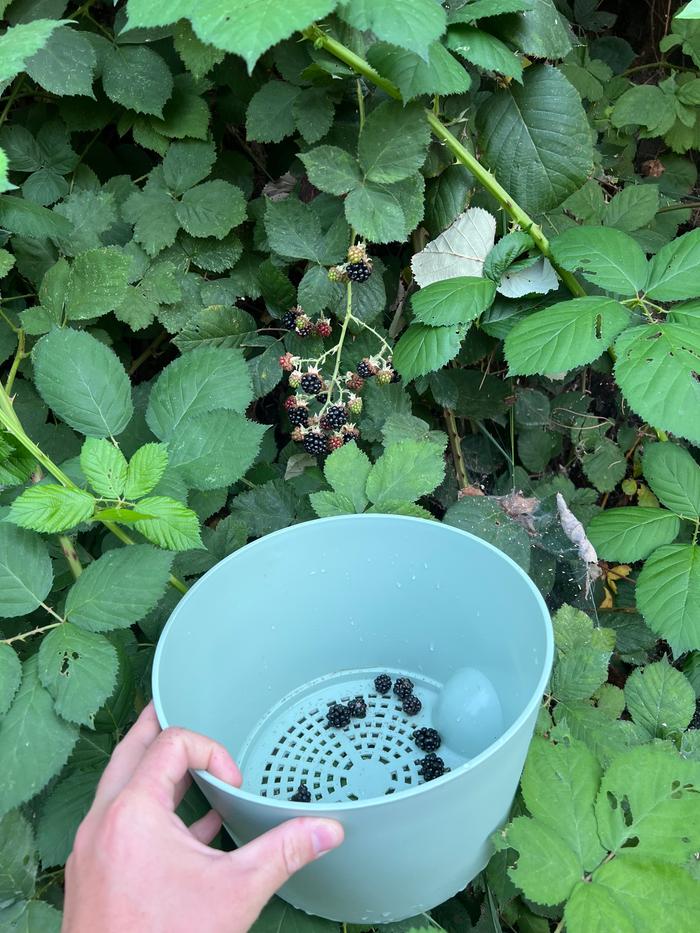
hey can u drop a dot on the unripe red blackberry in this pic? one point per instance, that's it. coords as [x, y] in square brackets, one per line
[354, 382]
[323, 327]
[286, 361]
[335, 441]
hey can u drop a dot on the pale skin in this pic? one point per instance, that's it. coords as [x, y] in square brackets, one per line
[136, 868]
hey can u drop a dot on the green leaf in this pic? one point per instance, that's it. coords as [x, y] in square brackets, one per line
[19, 43]
[631, 533]
[79, 669]
[104, 467]
[608, 258]
[233, 25]
[675, 270]
[644, 105]
[145, 470]
[405, 471]
[25, 571]
[22, 217]
[331, 169]
[483, 517]
[198, 57]
[65, 65]
[422, 349]
[633, 207]
[536, 139]
[211, 209]
[152, 212]
[393, 142]
[270, 116]
[83, 382]
[482, 49]
[650, 794]
[386, 213]
[547, 869]
[313, 113]
[440, 74]
[505, 252]
[559, 787]
[582, 655]
[476, 9]
[119, 588]
[34, 742]
[266, 508]
[656, 368]
[540, 32]
[187, 163]
[325, 504]
[215, 326]
[605, 466]
[214, 449]
[674, 477]
[293, 229]
[660, 699]
[691, 10]
[171, 524]
[91, 213]
[63, 811]
[51, 508]
[18, 862]
[137, 78]
[668, 595]
[412, 24]
[453, 301]
[10, 676]
[196, 383]
[568, 334]
[280, 917]
[347, 470]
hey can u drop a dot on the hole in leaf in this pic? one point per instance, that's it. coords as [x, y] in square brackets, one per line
[626, 811]
[630, 843]
[612, 800]
[598, 326]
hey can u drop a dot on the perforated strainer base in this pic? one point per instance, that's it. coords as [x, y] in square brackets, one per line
[372, 757]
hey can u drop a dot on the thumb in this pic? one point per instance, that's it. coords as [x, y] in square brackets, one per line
[271, 860]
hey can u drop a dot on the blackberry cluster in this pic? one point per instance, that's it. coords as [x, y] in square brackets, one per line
[358, 708]
[427, 740]
[403, 688]
[302, 794]
[382, 684]
[298, 320]
[412, 705]
[431, 767]
[339, 716]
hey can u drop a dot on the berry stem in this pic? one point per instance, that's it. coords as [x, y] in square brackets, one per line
[373, 331]
[343, 333]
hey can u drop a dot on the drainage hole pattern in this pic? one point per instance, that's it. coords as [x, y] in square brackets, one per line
[371, 757]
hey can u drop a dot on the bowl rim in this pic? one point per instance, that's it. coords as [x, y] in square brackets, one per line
[339, 807]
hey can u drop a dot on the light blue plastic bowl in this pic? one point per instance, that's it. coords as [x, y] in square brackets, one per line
[257, 650]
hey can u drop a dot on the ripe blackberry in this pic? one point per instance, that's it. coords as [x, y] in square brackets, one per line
[311, 383]
[431, 767]
[336, 416]
[302, 794]
[358, 271]
[366, 368]
[403, 688]
[358, 708]
[299, 415]
[427, 740]
[412, 705]
[315, 443]
[395, 376]
[335, 441]
[289, 319]
[339, 716]
[349, 433]
[322, 397]
[382, 684]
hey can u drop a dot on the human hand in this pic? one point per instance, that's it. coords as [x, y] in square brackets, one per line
[136, 868]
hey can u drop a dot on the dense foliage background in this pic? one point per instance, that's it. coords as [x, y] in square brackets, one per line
[177, 176]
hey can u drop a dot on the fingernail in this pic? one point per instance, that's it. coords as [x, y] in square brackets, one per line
[326, 835]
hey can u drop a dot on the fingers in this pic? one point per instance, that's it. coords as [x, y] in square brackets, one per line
[270, 860]
[163, 771]
[206, 828]
[127, 755]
